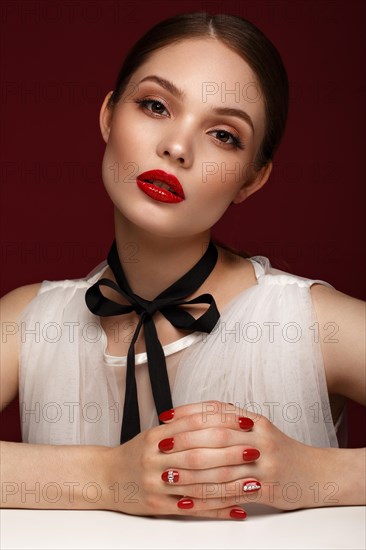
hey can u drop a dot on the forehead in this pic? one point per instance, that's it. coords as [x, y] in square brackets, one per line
[209, 73]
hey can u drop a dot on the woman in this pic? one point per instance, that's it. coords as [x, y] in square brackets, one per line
[241, 385]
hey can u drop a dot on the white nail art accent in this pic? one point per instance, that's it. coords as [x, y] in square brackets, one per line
[251, 486]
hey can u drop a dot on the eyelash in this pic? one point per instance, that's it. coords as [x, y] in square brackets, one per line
[143, 103]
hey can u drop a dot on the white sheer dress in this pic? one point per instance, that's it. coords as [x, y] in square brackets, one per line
[264, 354]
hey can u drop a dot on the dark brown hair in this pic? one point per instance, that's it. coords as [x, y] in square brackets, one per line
[242, 37]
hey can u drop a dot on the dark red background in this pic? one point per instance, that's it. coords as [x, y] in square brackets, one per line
[60, 58]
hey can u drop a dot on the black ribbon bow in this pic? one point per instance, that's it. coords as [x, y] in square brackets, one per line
[167, 303]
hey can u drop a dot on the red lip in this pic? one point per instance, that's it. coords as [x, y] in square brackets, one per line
[174, 195]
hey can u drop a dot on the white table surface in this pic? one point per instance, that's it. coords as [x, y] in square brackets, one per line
[264, 528]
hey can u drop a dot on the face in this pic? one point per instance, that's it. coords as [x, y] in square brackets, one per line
[194, 111]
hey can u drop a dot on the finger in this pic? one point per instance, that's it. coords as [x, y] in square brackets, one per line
[190, 508]
[198, 505]
[213, 437]
[204, 458]
[224, 474]
[237, 490]
[235, 512]
[199, 421]
[206, 408]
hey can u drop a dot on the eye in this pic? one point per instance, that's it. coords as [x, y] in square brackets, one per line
[228, 138]
[153, 105]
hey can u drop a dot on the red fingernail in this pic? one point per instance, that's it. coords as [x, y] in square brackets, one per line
[251, 454]
[170, 476]
[238, 513]
[251, 485]
[185, 503]
[245, 423]
[166, 415]
[166, 444]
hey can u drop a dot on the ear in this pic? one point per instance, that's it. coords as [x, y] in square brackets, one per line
[254, 183]
[105, 118]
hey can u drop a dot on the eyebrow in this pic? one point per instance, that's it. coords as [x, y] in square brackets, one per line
[239, 113]
[166, 84]
[174, 90]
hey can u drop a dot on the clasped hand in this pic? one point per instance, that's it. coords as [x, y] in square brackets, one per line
[208, 460]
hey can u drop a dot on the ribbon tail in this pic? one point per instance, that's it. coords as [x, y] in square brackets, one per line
[157, 368]
[131, 416]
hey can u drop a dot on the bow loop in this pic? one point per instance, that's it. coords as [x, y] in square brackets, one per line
[100, 305]
[182, 319]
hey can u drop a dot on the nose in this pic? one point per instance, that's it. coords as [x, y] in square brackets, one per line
[177, 147]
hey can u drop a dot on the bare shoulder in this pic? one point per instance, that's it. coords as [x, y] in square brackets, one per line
[331, 305]
[342, 334]
[21, 295]
[323, 292]
[15, 301]
[11, 307]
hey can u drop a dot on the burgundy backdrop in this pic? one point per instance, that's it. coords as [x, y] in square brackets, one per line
[59, 60]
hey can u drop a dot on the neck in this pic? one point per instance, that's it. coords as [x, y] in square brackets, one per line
[152, 263]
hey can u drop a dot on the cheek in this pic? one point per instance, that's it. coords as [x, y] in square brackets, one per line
[209, 205]
[124, 143]
[221, 182]
[119, 165]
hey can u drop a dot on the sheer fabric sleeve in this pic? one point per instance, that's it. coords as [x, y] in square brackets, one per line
[264, 355]
[57, 337]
